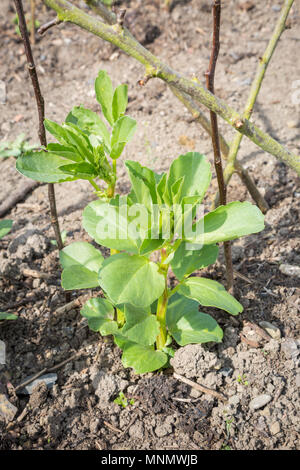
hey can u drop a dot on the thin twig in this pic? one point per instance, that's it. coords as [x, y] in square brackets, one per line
[199, 387]
[260, 331]
[210, 78]
[41, 113]
[48, 369]
[69, 306]
[111, 427]
[28, 381]
[32, 28]
[264, 61]
[253, 344]
[56, 21]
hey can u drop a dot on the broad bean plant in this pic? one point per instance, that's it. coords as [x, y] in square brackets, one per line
[158, 227]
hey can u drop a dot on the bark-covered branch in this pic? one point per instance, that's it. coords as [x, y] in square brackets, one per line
[122, 38]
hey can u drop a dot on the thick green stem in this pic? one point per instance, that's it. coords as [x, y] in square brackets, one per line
[161, 318]
[255, 88]
[122, 38]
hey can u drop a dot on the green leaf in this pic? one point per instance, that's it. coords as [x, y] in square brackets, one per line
[44, 166]
[134, 315]
[144, 332]
[210, 294]
[100, 315]
[140, 327]
[187, 325]
[104, 95]
[8, 316]
[186, 261]
[5, 227]
[78, 277]
[131, 279]
[81, 263]
[82, 170]
[117, 226]
[90, 122]
[65, 151]
[120, 100]
[195, 169]
[143, 183]
[122, 132]
[234, 220]
[57, 131]
[142, 359]
[81, 254]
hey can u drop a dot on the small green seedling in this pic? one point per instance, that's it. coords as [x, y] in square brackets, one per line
[5, 227]
[16, 148]
[15, 21]
[122, 400]
[64, 235]
[86, 149]
[242, 379]
[8, 316]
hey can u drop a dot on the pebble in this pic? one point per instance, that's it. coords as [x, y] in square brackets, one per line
[275, 428]
[290, 270]
[271, 329]
[7, 409]
[226, 371]
[234, 400]
[2, 92]
[259, 402]
[2, 352]
[49, 380]
[290, 348]
[292, 124]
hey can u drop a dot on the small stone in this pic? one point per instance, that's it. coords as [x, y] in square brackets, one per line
[137, 430]
[7, 409]
[290, 348]
[272, 345]
[298, 380]
[292, 124]
[2, 92]
[2, 352]
[49, 380]
[275, 428]
[290, 270]
[271, 329]
[276, 8]
[226, 371]
[166, 428]
[265, 411]
[259, 402]
[234, 400]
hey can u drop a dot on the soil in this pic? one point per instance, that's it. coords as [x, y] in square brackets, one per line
[79, 412]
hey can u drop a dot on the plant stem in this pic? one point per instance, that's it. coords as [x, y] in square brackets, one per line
[32, 29]
[161, 318]
[210, 77]
[123, 39]
[255, 88]
[41, 113]
[94, 185]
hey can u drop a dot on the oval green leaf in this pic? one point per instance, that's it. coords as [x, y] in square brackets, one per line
[210, 294]
[131, 279]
